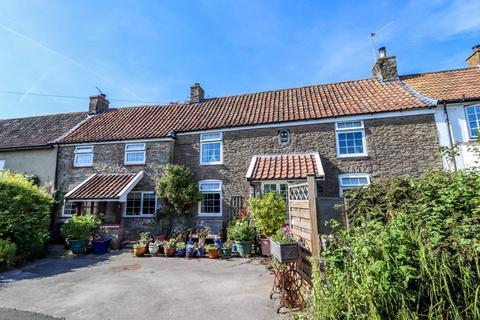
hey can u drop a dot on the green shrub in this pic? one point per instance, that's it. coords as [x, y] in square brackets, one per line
[268, 212]
[178, 190]
[24, 214]
[80, 227]
[241, 230]
[7, 252]
[411, 252]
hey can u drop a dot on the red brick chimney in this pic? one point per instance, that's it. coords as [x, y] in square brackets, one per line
[474, 59]
[98, 104]
[196, 93]
[385, 68]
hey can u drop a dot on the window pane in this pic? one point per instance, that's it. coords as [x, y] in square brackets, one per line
[139, 146]
[473, 115]
[210, 203]
[354, 181]
[351, 142]
[149, 203]
[134, 202]
[210, 186]
[83, 159]
[2, 164]
[211, 152]
[135, 157]
[349, 125]
[211, 136]
[83, 149]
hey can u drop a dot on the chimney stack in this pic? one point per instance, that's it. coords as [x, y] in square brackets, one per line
[474, 59]
[98, 104]
[196, 93]
[385, 68]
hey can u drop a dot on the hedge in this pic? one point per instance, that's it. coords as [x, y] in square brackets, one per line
[24, 214]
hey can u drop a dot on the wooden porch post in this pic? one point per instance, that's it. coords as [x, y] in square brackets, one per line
[312, 203]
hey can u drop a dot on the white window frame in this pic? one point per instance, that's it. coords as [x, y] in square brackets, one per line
[64, 207]
[277, 184]
[220, 190]
[140, 149]
[83, 150]
[468, 122]
[2, 164]
[360, 129]
[343, 188]
[206, 141]
[141, 215]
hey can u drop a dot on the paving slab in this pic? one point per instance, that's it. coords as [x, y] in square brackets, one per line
[119, 286]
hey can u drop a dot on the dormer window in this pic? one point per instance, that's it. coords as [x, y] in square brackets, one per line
[135, 153]
[83, 156]
[350, 139]
[211, 148]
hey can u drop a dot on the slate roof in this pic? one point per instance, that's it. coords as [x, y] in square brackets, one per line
[37, 131]
[285, 166]
[450, 85]
[305, 103]
[101, 186]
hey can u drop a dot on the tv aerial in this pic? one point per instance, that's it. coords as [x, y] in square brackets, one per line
[374, 34]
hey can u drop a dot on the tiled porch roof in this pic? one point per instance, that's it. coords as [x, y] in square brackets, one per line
[285, 167]
[110, 186]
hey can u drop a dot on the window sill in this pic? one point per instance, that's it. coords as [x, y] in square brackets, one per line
[354, 156]
[85, 166]
[211, 164]
[142, 216]
[210, 215]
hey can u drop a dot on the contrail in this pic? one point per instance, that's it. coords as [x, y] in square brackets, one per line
[62, 56]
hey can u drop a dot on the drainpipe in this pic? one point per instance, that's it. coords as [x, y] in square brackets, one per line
[450, 138]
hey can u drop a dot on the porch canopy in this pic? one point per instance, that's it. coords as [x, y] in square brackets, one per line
[105, 187]
[293, 166]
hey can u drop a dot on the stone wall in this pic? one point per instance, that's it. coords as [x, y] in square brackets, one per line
[109, 158]
[396, 146]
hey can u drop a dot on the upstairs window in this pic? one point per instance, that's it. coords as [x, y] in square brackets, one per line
[350, 139]
[211, 204]
[83, 156]
[353, 180]
[141, 204]
[211, 148]
[473, 118]
[2, 164]
[135, 153]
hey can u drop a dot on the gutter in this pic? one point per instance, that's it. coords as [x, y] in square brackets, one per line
[450, 138]
[32, 147]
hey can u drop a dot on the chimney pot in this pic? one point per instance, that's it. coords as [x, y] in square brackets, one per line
[196, 93]
[382, 52]
[98, 104]
[385, 68]
[474, 59]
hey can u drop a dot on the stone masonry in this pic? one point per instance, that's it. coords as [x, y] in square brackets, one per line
[396, 146]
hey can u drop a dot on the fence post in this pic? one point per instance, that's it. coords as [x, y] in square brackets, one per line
[312, 201]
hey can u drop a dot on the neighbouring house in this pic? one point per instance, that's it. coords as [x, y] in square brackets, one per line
[456, 93]
[345, 133]
[27, 145]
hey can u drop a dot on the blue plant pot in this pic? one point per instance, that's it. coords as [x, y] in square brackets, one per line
[244, 248]
[77, 246]
[100, 246]
[181, 252]
[200, 253]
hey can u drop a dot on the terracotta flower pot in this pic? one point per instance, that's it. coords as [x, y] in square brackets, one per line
[213, 253]
[139, 252]
[169, 252]
[265, 247]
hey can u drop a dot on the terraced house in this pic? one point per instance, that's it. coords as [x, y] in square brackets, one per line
[346, 134]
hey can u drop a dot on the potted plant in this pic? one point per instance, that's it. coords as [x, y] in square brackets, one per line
[181, 249]
[283, 247]
[213, 251]
[200, 252]
[153, 248]
[146, 238]
[243, 233]
[170, 247]
[160, 245]
[269, 213]
[227, 248]
[190, 251]
[101, 243]
[139, 249]
[78, 230]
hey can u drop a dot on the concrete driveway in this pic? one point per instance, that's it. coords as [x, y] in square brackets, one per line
[118, 286]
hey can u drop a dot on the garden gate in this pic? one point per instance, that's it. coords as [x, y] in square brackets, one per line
[308, 216]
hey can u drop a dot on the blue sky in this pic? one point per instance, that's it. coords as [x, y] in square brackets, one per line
[154, 50]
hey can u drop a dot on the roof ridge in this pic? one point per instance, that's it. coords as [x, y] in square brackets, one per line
[439, 71]
[45, 115]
